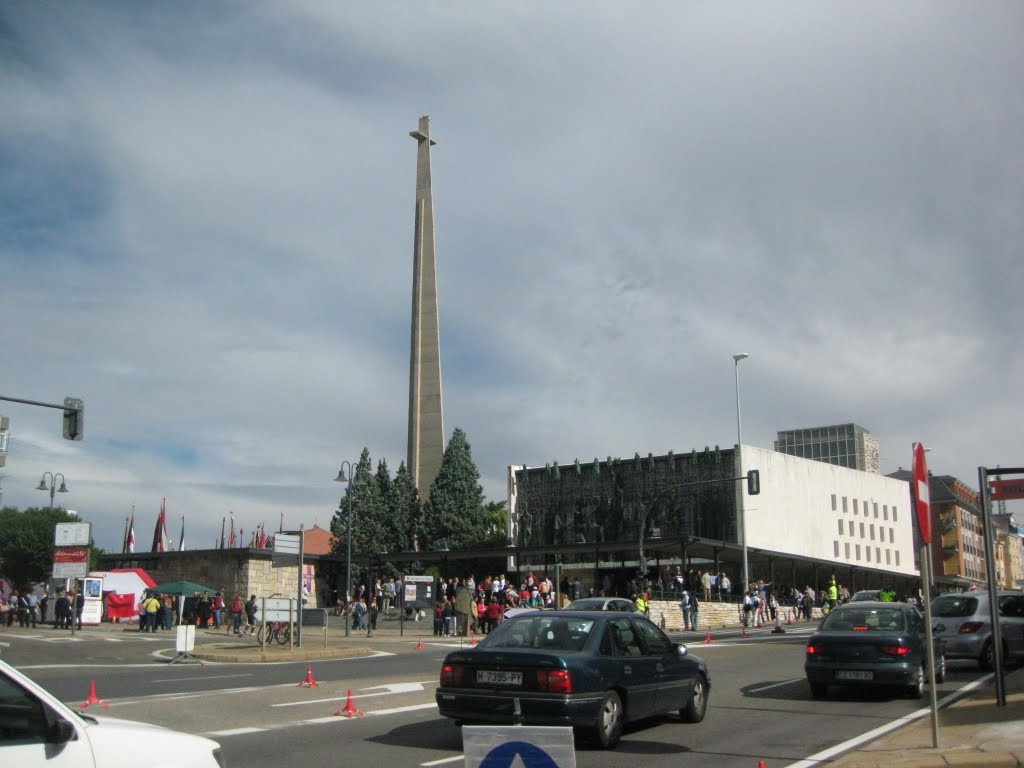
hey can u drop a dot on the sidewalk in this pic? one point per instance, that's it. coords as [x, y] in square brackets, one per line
[972, 732]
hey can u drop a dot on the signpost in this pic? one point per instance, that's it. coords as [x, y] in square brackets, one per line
[921, 499]
[73, 534]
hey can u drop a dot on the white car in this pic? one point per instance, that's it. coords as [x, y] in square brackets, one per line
[36, 729]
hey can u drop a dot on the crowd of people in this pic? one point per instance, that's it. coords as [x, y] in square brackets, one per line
[30, 610]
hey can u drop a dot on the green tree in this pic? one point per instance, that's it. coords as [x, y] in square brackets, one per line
[454, 514]
[403, 504]
[363, 492]
[496, 523]
[26, 542]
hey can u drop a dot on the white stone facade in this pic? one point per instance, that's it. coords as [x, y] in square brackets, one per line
[813, 509]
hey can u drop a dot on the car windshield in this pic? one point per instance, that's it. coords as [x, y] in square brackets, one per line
[954, 606]
[864, 620]
[545, 632]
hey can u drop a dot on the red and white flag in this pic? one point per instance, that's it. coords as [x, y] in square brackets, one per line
[161, 541]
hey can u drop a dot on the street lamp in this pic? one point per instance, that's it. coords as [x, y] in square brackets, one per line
[739, 442]
[347, 475]
[52, 487]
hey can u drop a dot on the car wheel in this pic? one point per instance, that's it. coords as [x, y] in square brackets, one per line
[940, 669]
[609, 721]
[697, 704]
[987, 660]
[916, 688]
[819, 690]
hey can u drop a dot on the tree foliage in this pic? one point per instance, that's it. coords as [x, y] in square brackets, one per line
[454, 516]
[26, 542]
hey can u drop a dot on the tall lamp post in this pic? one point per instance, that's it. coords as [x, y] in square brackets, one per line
[739, 442]
[52, 487]
[347, 475]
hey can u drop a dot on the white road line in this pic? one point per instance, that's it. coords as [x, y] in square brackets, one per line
[397, 710]
[212, 677]
[759, 689]
[237, 731]
[827, 754]
[443, 760]
[340, 698]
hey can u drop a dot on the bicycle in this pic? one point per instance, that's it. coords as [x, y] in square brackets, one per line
[274, 630]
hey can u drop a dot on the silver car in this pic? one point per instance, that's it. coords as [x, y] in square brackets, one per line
[961, 619]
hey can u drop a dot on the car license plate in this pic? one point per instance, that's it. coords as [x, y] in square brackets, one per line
[494, 677]
[853, 675]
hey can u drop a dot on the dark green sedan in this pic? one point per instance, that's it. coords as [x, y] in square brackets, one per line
[592, 670]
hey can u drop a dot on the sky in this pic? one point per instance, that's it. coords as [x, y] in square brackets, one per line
[206, 230]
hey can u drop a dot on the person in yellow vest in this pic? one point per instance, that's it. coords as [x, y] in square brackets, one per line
[150, 608]
[833, 594]
[641, 604]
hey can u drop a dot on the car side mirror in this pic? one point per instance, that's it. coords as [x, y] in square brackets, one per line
[60, 732]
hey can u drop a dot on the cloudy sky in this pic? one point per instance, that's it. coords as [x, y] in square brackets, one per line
[206, 225]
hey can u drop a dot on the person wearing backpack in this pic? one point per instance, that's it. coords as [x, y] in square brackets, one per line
[684, 607]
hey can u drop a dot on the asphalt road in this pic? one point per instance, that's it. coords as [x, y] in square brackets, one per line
[760, 708]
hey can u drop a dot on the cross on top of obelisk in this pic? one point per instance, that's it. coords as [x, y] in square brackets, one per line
[423, 132]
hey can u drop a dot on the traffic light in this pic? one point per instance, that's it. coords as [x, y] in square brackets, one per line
[74, 418]
[753, 482]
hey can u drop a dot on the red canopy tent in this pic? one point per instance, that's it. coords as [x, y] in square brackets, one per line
[123, 589]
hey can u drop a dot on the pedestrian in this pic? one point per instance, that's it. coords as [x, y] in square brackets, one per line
[694, 606]
[250, 611]
[44, 601]
[79, 607]
[684, 607]
[205, 608]
[749, 608]
[237, 613]
[5, 611]
[217, 606]
[150, 609]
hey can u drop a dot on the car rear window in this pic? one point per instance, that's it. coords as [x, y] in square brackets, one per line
[545, 632]
[954, 606]
[864, 620]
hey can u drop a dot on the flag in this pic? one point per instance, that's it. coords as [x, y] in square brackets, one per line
[181, 540]
[252, 539]
[231, 539]
[261, 537]
[223, 521]
[131, 533]
[161, 541]
[280, 528]
[124, 538]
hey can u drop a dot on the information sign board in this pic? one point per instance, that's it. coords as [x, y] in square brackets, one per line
[280, 609]
[286, 543]
[72, 534]
[71, 563]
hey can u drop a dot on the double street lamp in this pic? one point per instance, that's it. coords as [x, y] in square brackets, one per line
[739, 442]
[347, 475]
[52, 487]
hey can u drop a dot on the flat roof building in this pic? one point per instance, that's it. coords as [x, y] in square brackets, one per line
[845, 445]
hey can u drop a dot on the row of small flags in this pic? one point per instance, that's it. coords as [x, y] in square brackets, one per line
[163, 543]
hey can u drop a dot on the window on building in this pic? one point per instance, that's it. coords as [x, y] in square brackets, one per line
[855, 506]
[885, 511]
[862, 530]
[851, 527]
[857, 551]
[840, 521]
[867, 554]
[833, 502]
[847, 549]
[844, 505]
[835, 547]
[892, 535]
[888, 557]
[897, 553]
[894, 519]
[878, 554]
[872, 531]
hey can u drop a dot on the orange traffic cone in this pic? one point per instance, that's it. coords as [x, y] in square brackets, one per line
[778, 626]
[93, 699]
[472, 642]
[790, 619]
[761, 764]
[309, 682]
[420, 646]
[350, 709]
[760, 622]
[707, 639]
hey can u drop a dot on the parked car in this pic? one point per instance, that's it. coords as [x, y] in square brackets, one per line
[592, 670]
[37, 730]
[601, 604]
[962, 619]
[869, 595]
[871, 644]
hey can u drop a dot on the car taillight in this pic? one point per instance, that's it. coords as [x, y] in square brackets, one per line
[451, 675]
[554, 680]
[895, 650]
[970, 627]
[813, 650]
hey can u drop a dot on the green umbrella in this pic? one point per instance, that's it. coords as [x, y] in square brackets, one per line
[183, 587]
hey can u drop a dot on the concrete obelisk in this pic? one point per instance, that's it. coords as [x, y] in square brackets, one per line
[426, 416]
